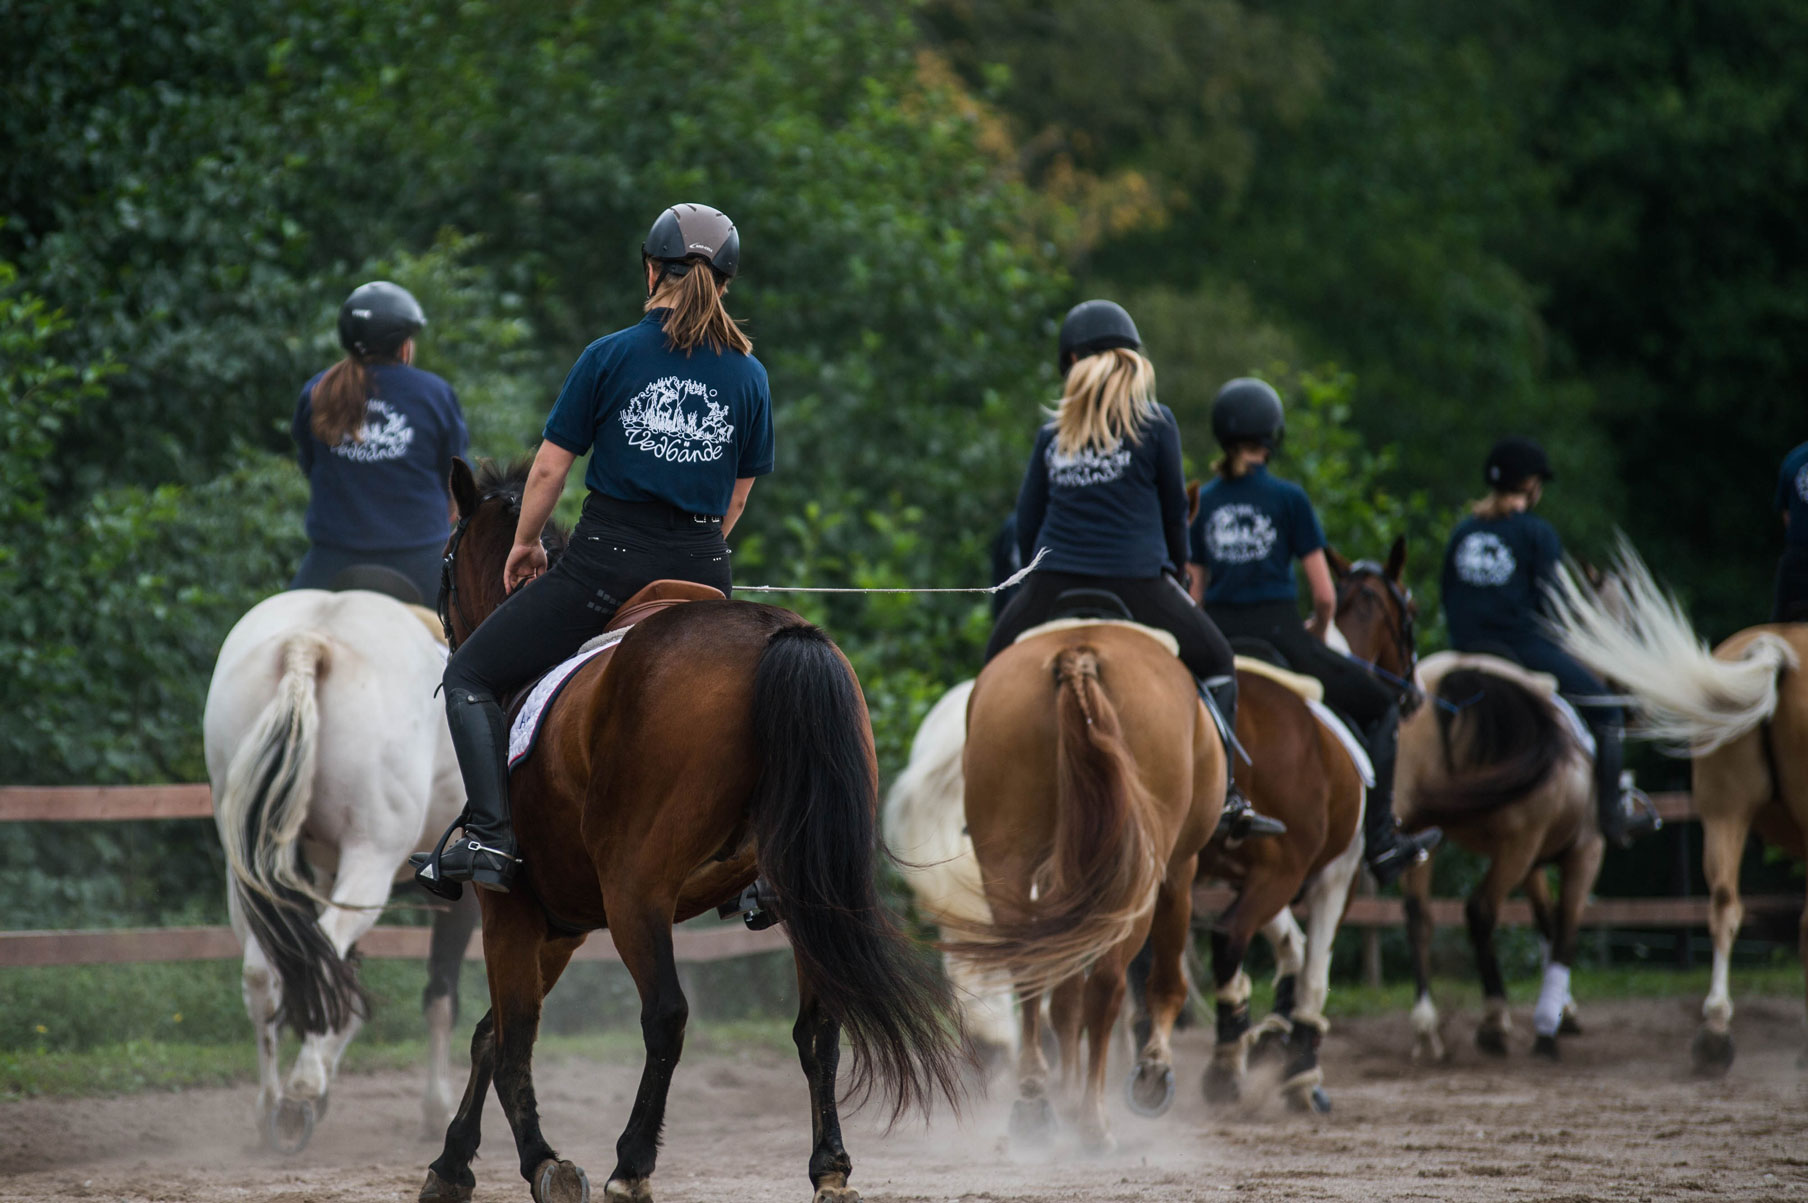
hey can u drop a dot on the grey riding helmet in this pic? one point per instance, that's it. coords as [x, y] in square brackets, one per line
[1248, 410]
[1514, 460]
[1094, 326]
[684, 234]
[378, 318]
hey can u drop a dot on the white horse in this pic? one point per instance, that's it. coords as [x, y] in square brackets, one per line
[330, 763]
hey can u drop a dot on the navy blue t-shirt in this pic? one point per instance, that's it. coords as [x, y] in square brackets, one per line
[661, 425]
[1792, 494]
[1247, 534]
[1119, 512]
[384, 489]
[1495, 570]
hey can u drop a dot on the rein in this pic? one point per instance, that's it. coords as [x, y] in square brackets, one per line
[449, 604]
[1404, 634]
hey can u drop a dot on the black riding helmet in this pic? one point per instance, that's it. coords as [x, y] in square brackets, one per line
[1248, 410]
[1513, 461]
[1094, 326]
[687, 233]
[378, 318]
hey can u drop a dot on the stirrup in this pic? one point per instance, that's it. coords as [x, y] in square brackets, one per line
[1409, 849]
[1635, 816]
[1240, 821]
[757, 905]
[427, 873]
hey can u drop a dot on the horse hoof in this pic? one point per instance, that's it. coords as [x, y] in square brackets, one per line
[1150, 1090]
[563, 1182]
[836, 1194]
[1713, 1052]
[1221, 1086]
[1314, 1101]
[1321, 1102]
[624, 1190]
[1569, 1025]
[1546, 1047]
[290, 1126]
[1492, 1041]
[438, 1190]
[1032, 1121]
[1098, 1144]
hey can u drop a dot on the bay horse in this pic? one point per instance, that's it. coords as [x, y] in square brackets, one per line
[1739, 713]
[1496, 761]
[717, 742]
[330, 762]
[1093, 777]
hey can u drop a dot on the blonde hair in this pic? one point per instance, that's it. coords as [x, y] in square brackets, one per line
[697, 317]
[1107, 398]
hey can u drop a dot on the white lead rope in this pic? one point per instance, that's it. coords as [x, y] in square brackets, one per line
[1014, 579]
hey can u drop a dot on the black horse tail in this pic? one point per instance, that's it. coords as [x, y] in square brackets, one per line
[260, 810]
[1500, 740]
[814, 820]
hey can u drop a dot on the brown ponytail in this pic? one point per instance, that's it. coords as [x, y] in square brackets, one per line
[697, 317]
[1235, 463]
[339, 402]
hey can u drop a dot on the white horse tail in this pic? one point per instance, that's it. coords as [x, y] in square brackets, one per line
[1689, 699]
[260, 814]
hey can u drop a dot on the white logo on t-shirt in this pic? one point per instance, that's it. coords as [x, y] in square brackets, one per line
[1482, 559]
[658, 421]
[385, 434]
[1087, 466]
[1801, 483]
[1239, 534]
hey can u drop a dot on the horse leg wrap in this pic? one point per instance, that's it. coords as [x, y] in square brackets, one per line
[1233, 1022]
[1547, 1016]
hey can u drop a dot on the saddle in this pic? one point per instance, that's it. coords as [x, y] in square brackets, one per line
[1095, 607]
[527, 708]
[1309, 688]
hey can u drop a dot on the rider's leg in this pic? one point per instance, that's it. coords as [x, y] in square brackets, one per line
[1621, 821]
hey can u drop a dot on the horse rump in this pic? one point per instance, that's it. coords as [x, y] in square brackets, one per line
[1500, 741]
[814, 820]
[260, 813]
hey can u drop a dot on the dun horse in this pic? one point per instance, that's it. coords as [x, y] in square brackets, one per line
[1740, 713]
[1093, 778]
[330, 763]
[716, 741]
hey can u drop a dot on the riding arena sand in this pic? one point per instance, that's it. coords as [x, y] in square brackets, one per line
[1620, 1118]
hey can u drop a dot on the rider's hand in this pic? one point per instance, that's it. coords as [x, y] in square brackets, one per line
[525, 562]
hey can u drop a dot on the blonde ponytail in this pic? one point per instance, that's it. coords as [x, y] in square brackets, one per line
[698, 317]
[1107, 398]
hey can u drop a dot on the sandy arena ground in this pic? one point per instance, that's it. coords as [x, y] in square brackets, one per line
[1620, 1118]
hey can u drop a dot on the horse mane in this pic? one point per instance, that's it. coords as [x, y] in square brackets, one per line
[1501, 741]
[494, 478]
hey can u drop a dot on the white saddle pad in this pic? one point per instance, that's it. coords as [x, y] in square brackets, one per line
[1359, 756]
[525, 730]
[1067, 624]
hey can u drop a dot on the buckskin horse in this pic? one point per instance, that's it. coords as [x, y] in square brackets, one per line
[1740, 713]
[716, 742]
[330, 763]
[1093, 777]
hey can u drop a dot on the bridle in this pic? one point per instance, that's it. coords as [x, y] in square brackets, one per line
[1405, 634]
[449, 603]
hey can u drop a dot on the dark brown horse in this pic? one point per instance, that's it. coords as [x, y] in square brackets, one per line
[717, 741]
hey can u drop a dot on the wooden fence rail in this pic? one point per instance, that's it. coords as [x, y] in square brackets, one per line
[112, 946]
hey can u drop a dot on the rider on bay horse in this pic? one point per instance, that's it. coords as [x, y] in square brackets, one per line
[1250, 529]
[1105, 497]
[1496, 568]
[677, 419]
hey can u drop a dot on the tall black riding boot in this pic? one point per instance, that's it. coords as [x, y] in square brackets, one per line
[1387, 849]
[1239, 821]
[484, 853]
[1617, 807]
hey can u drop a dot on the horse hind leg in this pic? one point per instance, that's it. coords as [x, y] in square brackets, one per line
[1223, 1081]
[1509, 867]
[1415, 890]
[452, 929]
[1103, 1000]
[1579, 870]
[1150, 1090]
[644, 939]
[1032, 1116]
[818, 1039]
[1326, 892]
[263, 1000]
[1289, 942]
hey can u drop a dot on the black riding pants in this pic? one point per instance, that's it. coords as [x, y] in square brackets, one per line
[1156, 601]
[617, 550]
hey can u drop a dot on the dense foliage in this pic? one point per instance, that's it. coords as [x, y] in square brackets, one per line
[1427, 224]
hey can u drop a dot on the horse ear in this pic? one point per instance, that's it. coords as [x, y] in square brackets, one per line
[1396, 559]
[1192, 501]
[464, 488]
[1340, 567]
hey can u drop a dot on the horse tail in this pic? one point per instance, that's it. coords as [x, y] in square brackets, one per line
[260, 813]
[1100, 877]
[1686, 697]
[814, 819]
[1500, 742]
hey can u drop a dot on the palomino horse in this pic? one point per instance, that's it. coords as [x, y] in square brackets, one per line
[1501, 781]
[1740, 713]
[1093, 778]
[715, 742]
[330, 763]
